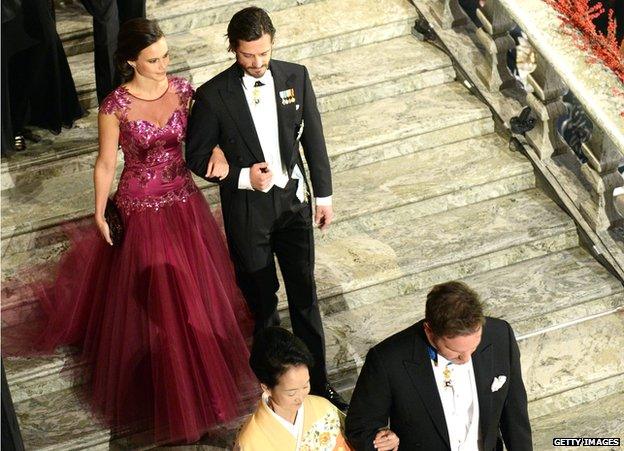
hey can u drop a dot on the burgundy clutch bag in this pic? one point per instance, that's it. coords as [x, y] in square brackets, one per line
[114, 221]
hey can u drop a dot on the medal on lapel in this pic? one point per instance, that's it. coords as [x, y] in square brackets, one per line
[287, 96]
[446, 373]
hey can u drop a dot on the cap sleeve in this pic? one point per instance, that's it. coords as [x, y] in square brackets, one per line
[115, 103]
[184, 89]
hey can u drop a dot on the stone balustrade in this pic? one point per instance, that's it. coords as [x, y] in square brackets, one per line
[560, 66]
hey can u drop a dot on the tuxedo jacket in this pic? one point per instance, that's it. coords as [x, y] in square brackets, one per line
[220, 115]
[397, 384]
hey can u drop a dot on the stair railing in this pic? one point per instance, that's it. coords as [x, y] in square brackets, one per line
[553, 74]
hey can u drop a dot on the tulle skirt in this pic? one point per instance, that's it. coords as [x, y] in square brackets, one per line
[159, 321]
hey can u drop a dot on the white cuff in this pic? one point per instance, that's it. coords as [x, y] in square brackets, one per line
[618, 191]
[323, 201]
[244, 180]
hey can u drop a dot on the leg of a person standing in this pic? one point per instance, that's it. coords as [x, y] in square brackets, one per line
[248, 228]
[259, 289]
[293, 242]
[130, 9]
[105, 31]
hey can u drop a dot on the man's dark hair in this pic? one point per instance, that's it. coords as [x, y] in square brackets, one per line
[274, 351]
[134, 36]
[249, 24]
[453, 309]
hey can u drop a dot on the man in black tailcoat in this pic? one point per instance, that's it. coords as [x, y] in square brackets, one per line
[245, 129]
[451, 382]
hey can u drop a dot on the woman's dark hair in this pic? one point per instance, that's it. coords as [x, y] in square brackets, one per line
[134, 36]
[274, 351]
[249, 24]
[453, 309]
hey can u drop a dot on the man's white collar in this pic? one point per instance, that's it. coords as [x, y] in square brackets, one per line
[249, 81]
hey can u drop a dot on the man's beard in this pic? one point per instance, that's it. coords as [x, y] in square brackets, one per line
[256, 72]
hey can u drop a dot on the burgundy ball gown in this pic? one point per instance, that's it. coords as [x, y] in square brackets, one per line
[159, 319]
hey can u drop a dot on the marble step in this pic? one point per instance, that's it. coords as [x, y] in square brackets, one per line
[74, 26]
[355, 136]
[566, 310]
[597, 418]
[59, 421]
[369, 261]
[308, 30]
[564, 287]
[436, 180]
[377, 257]
[600, 418]
[62, 422]
[339, 82]
[356, 326]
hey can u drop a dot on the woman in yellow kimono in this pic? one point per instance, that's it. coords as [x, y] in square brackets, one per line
[288, 418]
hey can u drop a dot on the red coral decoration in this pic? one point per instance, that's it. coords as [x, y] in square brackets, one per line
[580, 15]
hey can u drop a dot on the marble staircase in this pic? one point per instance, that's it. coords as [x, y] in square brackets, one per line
[425, 191]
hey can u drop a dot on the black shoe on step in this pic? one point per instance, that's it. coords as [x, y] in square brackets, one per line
[334, 397]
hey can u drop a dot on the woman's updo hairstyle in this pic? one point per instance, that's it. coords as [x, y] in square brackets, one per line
[274, 351]
[134, 36]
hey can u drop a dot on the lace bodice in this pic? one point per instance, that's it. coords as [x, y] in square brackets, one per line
[151, 133]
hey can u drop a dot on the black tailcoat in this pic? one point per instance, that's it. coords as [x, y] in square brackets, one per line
[397, 384]
[261, 226]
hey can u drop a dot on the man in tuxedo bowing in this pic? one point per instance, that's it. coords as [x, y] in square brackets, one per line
[451, 382]
[244, 129]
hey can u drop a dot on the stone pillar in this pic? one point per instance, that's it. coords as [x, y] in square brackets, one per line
[448, 13]
[601, 173]
[494, 35]
[547, 104]
[525, 61]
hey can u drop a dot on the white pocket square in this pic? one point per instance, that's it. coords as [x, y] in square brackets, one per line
[297, 107]
[498, 382]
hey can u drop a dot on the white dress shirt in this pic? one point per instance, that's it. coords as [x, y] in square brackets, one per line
[460, 403]
[263, 107]
[296, 428]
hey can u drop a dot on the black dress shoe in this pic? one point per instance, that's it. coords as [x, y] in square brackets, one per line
[20, 143]
[334, 397]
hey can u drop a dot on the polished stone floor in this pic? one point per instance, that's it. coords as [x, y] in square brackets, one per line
[425, 191]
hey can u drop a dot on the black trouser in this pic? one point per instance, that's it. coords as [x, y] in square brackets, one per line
[107, 16]
[278, 224]
[11, 436]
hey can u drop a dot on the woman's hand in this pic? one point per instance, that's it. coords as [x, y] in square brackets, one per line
[386, 440]
[218, 166]
[102, 226]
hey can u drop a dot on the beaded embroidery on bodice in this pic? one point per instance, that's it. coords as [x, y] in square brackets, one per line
[151, 133]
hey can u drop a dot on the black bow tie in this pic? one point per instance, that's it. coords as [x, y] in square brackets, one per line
[258, 84]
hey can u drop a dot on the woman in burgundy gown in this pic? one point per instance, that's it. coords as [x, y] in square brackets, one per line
[159, 319]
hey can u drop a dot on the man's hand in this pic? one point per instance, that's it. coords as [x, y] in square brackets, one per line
[386, 440]
[218, 166]
[323, 216]
[260, 176]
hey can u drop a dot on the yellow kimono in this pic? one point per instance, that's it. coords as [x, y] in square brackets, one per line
[322, 428]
